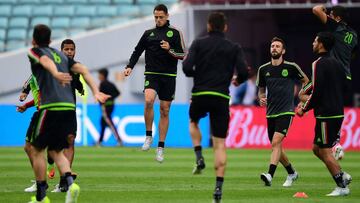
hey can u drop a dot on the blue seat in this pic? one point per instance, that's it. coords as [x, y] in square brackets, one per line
[85, 11]
[123, 1]
[129, 10]
[97, 22]
[40, 20]
[100, 1]
[15, 44]
[152, 2]
[82, 22]
[146, 10]
[168, 2]
[3, 22]
[16, 34]
[43, 11]
[109, 11]
[33, 2]
[58, 33]
[5, 10]
[67, 11]
[61, 22]
[2, 34]
[76, 1]
[23, 11]
[8, 1]
[53, 1]
[19, 22]
[74, 32]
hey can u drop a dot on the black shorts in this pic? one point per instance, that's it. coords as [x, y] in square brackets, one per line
[53, 128]
[327, 132]
[279, 124]
[163, 85]
[217, 107]
[32, 126]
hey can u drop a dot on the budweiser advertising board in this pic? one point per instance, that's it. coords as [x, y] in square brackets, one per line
[248, 129]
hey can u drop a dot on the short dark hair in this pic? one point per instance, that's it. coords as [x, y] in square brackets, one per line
[340, 11]
[278, 39]
[41, 35]
[104, 72]
[161, 7]
[217, 21]
[67, 41]
[327, 39]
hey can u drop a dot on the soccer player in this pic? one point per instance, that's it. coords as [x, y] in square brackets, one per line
[211, 61]
[328, 80]
[346, 39]
[107, 109]
[163, 47]
[57, 116]
[276, 80]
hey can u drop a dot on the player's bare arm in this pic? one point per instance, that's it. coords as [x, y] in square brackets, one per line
[49, 65]
[320, 12]
[262, 96]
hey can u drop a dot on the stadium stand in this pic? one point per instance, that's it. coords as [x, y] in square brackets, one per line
[65, 17]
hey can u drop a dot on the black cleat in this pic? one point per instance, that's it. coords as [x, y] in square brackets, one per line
[200, 165]
[217, 195]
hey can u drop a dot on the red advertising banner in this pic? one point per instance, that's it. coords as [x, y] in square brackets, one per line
[248, 129]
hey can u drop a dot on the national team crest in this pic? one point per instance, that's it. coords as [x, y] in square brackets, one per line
[285, 72]
[170, 33]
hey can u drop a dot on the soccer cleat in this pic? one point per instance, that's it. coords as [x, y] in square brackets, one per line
[147, 144]
[347, 178]
[72, 194]
[51, 171]
[159, 154]
[290, 179]
[217, 195]
[200, 165]
[32, 188]
[74, 175]
[45, 200]
[266, 177]
[57, 188]
[338, 191]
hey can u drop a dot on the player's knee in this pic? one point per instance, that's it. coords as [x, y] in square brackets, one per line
[164, 111]
[149, 104]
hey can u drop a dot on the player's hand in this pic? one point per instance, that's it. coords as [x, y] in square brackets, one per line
[101, 97]
[234, 81]
[23, 96]
[21, 109]
[63, 78]
[165, 45]
[127, 71]
[263, 101]
[299, 112]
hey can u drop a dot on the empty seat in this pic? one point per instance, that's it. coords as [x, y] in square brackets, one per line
[53, 1]
[61, 22]
[129, 10]
[29, 1]
[74, 32]
[100, 1]
[152, 2]
[85, 11]
[22, 11]
[58, 33]
[76, 1]
[3, 22]
[68, 11]
[99, 22]
[15, 44]
[168, 1]
[123, 1]
[5, 10]
[2, 34]
[83, 22]
[16, 34]
[19, 22]
[40, 20]
[108, 11]
[42, 11]
[8, 1]
[146, 10]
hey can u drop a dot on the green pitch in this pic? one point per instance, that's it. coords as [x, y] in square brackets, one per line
[130, 175]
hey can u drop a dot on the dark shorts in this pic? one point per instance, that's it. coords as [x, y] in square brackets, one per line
[53, 128]
[163, 85]
[327, 132]
[32, 126]
[218, 109]
[279, 124]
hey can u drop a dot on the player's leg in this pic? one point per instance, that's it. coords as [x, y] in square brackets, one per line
[39, 167]
[109, 110]
[292, 174]
[267, 177]
[150, 95]
[163, 128]
[220, 165]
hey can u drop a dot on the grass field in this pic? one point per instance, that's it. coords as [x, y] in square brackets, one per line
[130, 175]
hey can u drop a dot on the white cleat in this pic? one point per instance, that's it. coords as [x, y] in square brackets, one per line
[32, 188]
[338, 191]
[72, 194]
[290, 179]
[159, 154]
[266, 177]
[347, 178]
[57, 188]
[147, 144]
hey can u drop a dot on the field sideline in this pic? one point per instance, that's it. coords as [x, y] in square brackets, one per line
[130, 175]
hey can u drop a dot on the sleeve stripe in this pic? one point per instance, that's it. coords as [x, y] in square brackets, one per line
[33, 55]
[296, 66]
[313, 84]
[258, 73]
